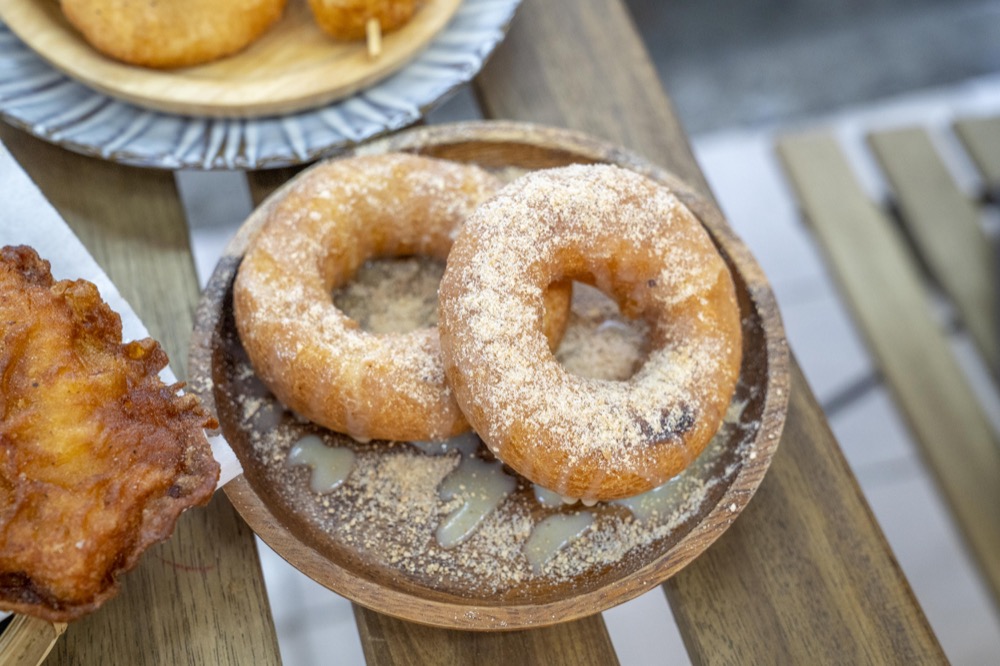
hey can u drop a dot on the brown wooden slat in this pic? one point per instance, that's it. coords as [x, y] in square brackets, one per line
[799, 565]
[387, 640]
[262, 183]
[944, 224]
[981, 137]
[28, 640]
[583, 65]
[882, 283]
[856, 608]
[199, 597]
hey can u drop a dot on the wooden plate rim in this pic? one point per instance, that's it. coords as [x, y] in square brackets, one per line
[473, 616]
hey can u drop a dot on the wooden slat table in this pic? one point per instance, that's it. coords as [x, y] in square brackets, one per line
[889, 294]
[981, 137]
[804, 576]
[944, 224]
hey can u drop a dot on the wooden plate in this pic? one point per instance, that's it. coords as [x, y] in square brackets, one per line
[293, 66]
[358, 561]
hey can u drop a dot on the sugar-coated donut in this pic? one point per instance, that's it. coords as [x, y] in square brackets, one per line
[348, 19]
[172, 33]
[316, 359]
[633, 239]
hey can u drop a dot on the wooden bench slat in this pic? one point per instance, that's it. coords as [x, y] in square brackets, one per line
[981, 137]
[795, 579]
[882, 284]
[388, 641]
[944, 224]
[28, 640]
[785, 576]
[199, 597]
[583, 65]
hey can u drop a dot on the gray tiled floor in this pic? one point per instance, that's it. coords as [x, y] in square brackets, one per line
[740, 73]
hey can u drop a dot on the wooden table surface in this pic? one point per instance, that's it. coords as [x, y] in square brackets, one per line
[803, 576]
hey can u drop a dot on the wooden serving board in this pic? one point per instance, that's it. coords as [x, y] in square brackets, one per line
[292, 67]
[270, 498]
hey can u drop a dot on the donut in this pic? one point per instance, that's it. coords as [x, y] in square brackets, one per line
[633, 239]
[175, 33]
[318, 232]
[348, 19]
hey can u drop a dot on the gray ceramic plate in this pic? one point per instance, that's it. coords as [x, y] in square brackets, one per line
[54, 107]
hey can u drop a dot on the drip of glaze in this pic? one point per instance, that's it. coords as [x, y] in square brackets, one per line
[653, 503]
[552, 535]
[466, 444]
[663, 499]
[481, 486]
[547, 498]
[330, 465]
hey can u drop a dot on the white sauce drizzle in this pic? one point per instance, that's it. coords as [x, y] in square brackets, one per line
[661, 500]
[480, 485]
[330, 465]
[553, 534]
[466, 444]
[547, 498]
[656, 502]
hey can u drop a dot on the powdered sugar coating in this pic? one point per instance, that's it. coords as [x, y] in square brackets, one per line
[317, 360]
[632, 238]
[386, 513]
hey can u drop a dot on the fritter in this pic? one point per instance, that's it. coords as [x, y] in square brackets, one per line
[348, 19]
[174, 33]
[98, 457]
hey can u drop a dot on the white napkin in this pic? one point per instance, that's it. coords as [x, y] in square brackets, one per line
[27, 218]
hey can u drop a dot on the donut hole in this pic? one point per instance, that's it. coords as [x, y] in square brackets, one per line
[392, 294]
[601, 342]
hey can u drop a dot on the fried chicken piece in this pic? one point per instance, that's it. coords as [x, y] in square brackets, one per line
[98, 457]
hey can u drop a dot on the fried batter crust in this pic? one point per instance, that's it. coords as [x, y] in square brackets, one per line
[98, 457]
[174, 33]
[348, 19]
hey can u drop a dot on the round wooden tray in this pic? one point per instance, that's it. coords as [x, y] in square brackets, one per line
[221, 375]
[292, 67]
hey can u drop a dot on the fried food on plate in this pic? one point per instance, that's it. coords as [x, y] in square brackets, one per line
[348, 19]
[98, 457]
[171, 33]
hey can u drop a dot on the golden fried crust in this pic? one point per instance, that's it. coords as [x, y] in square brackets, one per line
[348, 19]
[172, 33]
[98, 457]
[634, 239]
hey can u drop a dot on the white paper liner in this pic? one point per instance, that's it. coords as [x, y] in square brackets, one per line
[27, 218]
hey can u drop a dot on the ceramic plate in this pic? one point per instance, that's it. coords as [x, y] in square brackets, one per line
[45, 102]
[293, 66]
